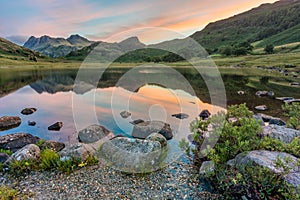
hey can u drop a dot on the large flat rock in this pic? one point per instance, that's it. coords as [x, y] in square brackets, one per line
[16, 141]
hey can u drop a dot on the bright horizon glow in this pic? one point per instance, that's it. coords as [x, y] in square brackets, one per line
[98, 20]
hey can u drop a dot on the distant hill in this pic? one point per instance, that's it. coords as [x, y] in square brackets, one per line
[257, 24]
[56, 47]
[107, 51]
[9, 48]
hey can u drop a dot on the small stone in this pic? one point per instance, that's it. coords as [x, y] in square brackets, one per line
[28, 111]
[55, 127]
[31, 123]
[125, 114]
[180, 115]
[137, 121]
[261, 107]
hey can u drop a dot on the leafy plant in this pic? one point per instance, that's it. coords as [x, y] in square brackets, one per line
[49, 159]
[7, 193]
[8, 152]
[293, 112]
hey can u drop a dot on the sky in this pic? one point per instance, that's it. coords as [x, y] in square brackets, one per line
[112, 20]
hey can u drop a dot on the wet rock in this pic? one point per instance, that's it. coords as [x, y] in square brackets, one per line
[281, 133]
[180, 115]
[271, 120]
[125, 114]
[31, 123]
[132, 155]
[207, 167]
[268, 159]
[94, 133]
[16, 141]
[144, 129]
[28, 111]
[80, 151]
[28, 152]
[3, 157]
[159, 138]
[55, 127]
[204, 114]
[53, 145]
[137, 121]
[9, 122]
[261, 107]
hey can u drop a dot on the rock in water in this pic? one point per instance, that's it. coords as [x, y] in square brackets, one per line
[180, 115]
[53, 145]
[204, 114]
[94, 133]
[144, 129]
[281, 133]
[268, 159]
[137, 121]
[55, 127]
[261, 108]
[8, 122]
[28, 111]
[31, 123]
[125, 114]
[159, 138]
[16, 141]
[132, 155]
[29, 152]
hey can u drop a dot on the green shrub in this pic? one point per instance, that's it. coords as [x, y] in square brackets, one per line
[18, 168]
[293, 112]
[8, 152]
[7, 193]
[49, 159]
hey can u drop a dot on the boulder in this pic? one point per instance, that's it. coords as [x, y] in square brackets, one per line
[80, 151]
[9, 122]
[268, 159]
[3, 157]
[144, 129]
[131, 155]
[271, 120]
[55, 127]
[16, 141]
[125, 114]
[207, 167]
[261, 107]
[28, 152]
[159, 138]
[180, 115]
[137, 121]
[204, 114]
[294, 84]
[261, 93]
[281, 133]
[28, 111]
[53, 145]
[93, 133]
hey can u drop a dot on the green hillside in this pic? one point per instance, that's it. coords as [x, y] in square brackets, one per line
[257, 24]
[288, 36]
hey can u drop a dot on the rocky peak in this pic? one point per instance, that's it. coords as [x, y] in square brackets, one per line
[131, 43]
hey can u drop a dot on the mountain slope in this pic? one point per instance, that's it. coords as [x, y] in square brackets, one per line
[56, 47]
[9, 48]
[254, 25]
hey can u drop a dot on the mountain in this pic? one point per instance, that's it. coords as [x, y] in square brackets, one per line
[254, 25]
[56, 47]
[107, 51]
[9, 48]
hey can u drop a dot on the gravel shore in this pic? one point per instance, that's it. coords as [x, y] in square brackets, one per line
[179, 180]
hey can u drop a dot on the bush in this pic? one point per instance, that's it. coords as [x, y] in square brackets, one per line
[8, 152]
[293, 112]
[269, 48]
[7, 193]
[49, 159]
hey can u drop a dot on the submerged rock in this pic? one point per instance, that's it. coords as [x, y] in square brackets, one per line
[281, 133]
[9, 122]
[268, 159]
[94, 133]
[144, 129]
[16, 141]
[55, 127]
[180, 115]
[28, 152]
[28, 111]
[125, 114]
[31, 123]
[132, 155]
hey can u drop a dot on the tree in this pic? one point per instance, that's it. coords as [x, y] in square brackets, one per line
[227, 51]
[269, 48]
